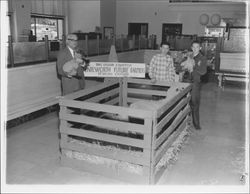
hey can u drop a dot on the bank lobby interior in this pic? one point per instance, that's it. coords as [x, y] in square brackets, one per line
[215, 158]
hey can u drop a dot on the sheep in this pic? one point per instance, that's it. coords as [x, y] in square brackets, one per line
[186, 66]
[71, 66]
[147, 104]
[189, 63]
[151, 105]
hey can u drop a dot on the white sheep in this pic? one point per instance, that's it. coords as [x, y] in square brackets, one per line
[151, 105]
[188, 64]
[147, 104]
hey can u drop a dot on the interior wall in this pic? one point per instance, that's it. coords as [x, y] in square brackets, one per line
[108, 14]
[80, 15]
[83, 16]
[20, 11]
[21, 19]
[51, 7]
[157, 12]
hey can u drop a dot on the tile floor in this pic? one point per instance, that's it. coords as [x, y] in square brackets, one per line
[212, 156]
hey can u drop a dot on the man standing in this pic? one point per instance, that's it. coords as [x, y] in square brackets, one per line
[69, 68]
[162, 66]
[199, 69]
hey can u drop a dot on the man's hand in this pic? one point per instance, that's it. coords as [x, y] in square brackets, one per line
[72, 73]
[78, 60]
[83, 64]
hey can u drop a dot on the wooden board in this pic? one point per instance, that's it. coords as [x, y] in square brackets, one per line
[106, 137]
[170, 129]
[105, 123]
[107, 172]
[87, 91]
[141, 159]
[176, 109]
[23, 97]
[170, 141]
[106, 108]
[147, 92]
[104, 95]
[164, 147]
[173, 99]
[149, 82]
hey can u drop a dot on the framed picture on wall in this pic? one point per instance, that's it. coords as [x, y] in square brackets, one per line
[108, 32]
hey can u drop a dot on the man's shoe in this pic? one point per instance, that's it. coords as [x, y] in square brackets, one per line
[198, 127]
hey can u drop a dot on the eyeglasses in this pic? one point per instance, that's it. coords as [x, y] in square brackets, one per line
[72, 39]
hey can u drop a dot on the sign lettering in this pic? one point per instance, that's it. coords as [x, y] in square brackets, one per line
[115, 69]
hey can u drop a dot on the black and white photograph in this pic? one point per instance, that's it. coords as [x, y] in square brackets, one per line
[124, 96]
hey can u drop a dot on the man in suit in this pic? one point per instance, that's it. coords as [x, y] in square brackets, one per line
[69, 68]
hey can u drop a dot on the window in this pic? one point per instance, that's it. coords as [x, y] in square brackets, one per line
[45, 25]
[214, 31]
[108, 32]
[169, 30]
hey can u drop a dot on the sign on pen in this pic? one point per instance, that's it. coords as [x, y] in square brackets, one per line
[115, 69]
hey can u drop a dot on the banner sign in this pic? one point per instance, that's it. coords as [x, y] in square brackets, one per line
[115, 69]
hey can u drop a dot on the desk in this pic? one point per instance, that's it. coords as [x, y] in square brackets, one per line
[232, 67]
[223, 76]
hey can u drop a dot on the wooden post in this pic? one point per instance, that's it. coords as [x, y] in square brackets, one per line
[113, 41]
[217, 54]
[133, 41]
[46, 47]
[124, 91]
[122, 40]
[139, 42]
[148, 122]
[86, 45]
[63, 41]
[120, 91]
[147, 42]
[63, 125]
[98, 45]
[154, 38]
[11, 53]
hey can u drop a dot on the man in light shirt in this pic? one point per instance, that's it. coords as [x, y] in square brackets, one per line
[162, 66]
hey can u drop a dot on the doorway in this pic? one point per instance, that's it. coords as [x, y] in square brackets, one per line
[138, 29]
[172, 29]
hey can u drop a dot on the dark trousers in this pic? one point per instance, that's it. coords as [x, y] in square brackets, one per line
[195, 103]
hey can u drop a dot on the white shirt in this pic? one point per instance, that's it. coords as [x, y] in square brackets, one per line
[71, 51]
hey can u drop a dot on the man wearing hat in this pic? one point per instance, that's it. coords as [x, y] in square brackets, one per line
[70, 67]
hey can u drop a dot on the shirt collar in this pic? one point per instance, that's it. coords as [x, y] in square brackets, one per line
[71, 51]
[198, 55]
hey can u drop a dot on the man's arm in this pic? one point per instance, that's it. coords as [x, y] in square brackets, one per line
[172, 70]
[61, 60]
[151, 72]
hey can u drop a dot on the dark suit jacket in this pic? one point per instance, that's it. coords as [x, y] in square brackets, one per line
[73, 84]
[200, 67]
